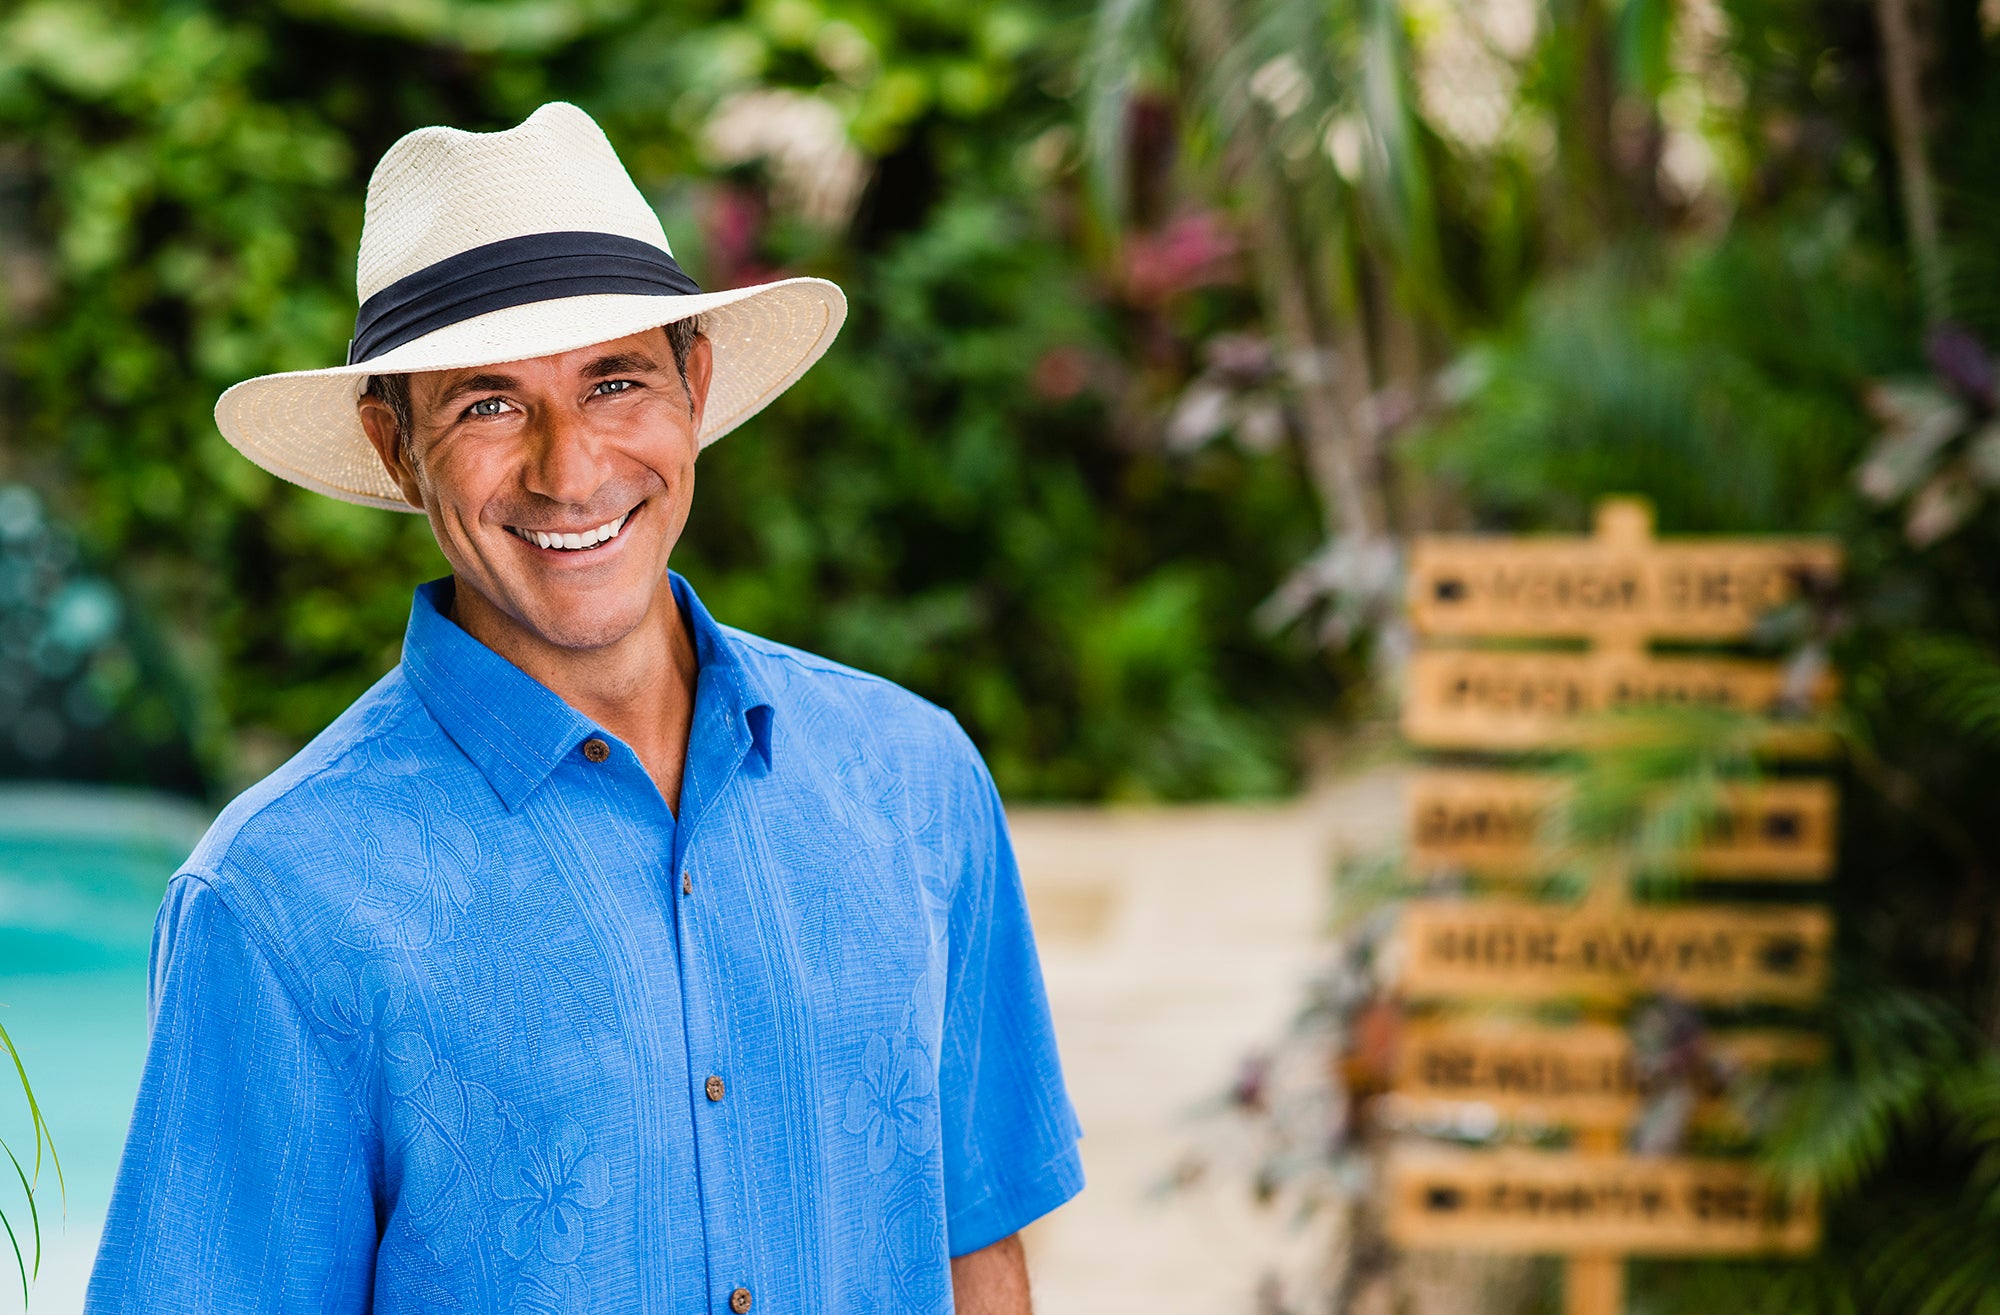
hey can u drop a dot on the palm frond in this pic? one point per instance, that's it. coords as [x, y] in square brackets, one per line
[1647, 791]
[1923, 1255]
[1970, 1100]
[1895, 1054]
[1645, 38]
[1399, 185]
[1328, 69]
[1124, 37]
[1750, 1288]
[1939, 1261]
[1962, 680]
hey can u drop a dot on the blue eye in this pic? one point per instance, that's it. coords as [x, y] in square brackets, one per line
[486, 406]
[615, 386]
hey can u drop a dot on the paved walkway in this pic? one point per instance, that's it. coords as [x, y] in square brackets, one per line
[1175, 941]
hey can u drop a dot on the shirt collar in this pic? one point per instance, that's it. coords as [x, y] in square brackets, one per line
[515, 729]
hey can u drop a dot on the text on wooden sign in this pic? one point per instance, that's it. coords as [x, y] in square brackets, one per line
[1470, 699]
[1492, 823]
[1561, 1202]
[1519, 951]
[1620, 578]
[1578, 1074]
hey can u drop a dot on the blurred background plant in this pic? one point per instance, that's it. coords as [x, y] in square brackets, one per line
[970, 497]
[26, 1242]
[1172, 320]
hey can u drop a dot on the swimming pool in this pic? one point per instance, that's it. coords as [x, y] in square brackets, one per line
[81, 873]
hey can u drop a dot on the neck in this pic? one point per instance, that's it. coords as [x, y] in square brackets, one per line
[639, 688]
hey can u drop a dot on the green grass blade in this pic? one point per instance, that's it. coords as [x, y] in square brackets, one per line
[39, 1124]
[18, 1262]
[34, 1214]
[40, 1128]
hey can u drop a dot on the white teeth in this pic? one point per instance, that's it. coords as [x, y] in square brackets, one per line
[575, 542]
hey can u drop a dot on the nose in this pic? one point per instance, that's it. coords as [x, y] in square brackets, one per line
[564, 460]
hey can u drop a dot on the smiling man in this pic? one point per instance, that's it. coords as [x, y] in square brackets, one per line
[601, 957]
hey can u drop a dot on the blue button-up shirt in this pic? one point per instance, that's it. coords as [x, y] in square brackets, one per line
[453, 1012]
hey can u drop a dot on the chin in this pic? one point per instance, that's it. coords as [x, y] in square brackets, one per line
[583, 618]
[578, 623]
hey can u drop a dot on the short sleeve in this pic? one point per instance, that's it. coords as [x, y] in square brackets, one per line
[1010, 1134]
[245, 1184]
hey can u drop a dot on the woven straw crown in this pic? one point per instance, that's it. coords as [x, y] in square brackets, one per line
[440, 193]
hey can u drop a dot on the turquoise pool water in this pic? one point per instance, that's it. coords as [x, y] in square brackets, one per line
[81, 872]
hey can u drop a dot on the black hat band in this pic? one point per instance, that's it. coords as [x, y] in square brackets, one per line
[512, 272]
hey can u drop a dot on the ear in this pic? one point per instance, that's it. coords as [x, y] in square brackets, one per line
[700, 371]
[380, 424]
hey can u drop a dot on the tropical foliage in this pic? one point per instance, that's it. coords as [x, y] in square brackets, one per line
[969, 497]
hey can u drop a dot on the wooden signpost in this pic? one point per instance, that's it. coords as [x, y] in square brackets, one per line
[1619, 589]
[1491, 824]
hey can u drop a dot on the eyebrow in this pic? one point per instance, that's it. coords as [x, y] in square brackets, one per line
[619, 363]
[477, 383]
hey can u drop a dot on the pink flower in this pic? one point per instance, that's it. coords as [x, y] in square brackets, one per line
[1194, 251]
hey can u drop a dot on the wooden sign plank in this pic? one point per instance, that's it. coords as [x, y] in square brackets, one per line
[1473, 699]
[1510, 950]
[1620, 579]
[1572, 1076]
[1490, 823]
[1545, 1202]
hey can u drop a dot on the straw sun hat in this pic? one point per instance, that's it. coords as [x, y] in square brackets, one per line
[483, 248]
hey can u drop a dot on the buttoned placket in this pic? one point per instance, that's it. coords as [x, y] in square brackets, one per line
[632, 792]
[718, 1141]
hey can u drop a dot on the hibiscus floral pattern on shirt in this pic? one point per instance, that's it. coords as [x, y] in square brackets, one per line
[891, 1103]
[549, 1186]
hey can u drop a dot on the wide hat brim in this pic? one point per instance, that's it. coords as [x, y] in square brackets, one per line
[303, 425]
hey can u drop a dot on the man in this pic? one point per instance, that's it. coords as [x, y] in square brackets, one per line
[600, 958]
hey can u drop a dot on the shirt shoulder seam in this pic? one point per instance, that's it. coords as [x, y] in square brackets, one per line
[820, 666]
[208, 868]
[824, 667]
[357, 1107]
[774, 651]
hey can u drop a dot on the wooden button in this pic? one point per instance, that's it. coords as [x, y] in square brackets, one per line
[713, 1087]
[739, 1301]
[596, 750]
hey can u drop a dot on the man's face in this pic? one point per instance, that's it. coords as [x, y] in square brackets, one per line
[556, 487]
